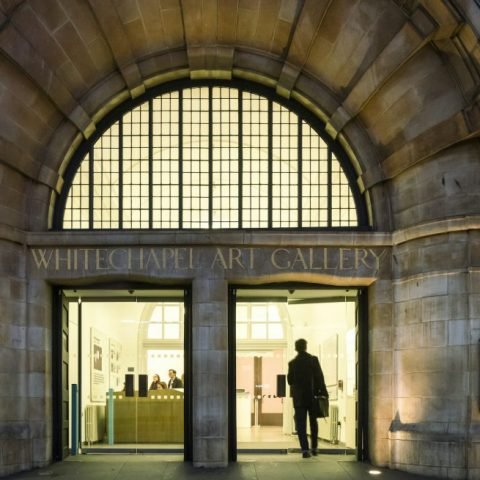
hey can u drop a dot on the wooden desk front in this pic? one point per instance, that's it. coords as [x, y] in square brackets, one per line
[157, 418]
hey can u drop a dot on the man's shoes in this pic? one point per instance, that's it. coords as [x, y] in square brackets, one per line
[314, 452]
[306, 455]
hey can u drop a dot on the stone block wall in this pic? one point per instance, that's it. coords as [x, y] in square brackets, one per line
[15, 359]
[435, 360]
[381, 378]
[210, 371]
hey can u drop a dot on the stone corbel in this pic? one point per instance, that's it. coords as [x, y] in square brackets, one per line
[287, 80]
[50, 178]
[133, 79]
[210, 62]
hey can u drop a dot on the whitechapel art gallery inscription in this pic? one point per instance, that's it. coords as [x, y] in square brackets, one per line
[155, 260]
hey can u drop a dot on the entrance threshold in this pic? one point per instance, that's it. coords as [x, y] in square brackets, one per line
[284, 451]
[130, 449]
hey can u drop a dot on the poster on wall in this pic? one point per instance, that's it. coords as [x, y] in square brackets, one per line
[115, 381]
[98, 369]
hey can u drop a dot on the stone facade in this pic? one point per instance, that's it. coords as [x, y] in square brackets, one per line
[396, 82]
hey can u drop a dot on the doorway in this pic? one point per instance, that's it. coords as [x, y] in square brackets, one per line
[265, 322]
[116, 341]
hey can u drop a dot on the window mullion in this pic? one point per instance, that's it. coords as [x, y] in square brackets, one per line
[90, 187]
[270, 164]
[240, 158]
[120, 174]
[329, 187]
[180, 159]
[150, 164]
[300, 173]
[210, 159]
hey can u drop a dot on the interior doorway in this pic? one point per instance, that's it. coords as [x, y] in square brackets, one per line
[118, 341]
[265, 322]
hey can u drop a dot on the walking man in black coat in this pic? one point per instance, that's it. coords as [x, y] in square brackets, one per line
[306, 381]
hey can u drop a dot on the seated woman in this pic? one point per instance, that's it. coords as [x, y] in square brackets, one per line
[157, 384]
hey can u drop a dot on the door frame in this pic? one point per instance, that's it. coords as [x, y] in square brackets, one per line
[361, 321]
[58, 300]
[60, 398]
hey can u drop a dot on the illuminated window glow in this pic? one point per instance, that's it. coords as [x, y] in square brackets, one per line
[210, 157]
[165, 322]
[258, 321]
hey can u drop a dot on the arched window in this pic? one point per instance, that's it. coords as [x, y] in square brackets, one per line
[210, 156]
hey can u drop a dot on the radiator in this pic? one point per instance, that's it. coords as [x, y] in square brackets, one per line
[94, 423]
[333, 412]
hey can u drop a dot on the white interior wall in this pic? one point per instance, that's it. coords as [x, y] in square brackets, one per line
[117, 322]
[317, 323]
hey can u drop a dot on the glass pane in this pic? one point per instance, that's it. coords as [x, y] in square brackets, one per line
[127, 349]
[154, 330]
[242, 313]
[172, 313]
[242, 331]
[259, 330]
[259, 313]
[275, 331]
[172, 331]
[273, 313]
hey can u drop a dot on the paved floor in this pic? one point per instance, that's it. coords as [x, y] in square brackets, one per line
[248, 467]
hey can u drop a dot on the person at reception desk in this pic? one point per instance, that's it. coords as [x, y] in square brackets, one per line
[174, 382]
[157, 384]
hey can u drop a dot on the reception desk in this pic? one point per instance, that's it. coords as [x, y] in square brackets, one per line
[157, 418]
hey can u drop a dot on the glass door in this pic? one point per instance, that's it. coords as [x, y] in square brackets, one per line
[267, 323]
[130, 369]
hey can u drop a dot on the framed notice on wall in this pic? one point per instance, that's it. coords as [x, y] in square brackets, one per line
[115, 381]
[98, 365]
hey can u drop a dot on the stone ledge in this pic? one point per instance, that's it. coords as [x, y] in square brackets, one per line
[207, 237]
[437, 227]
[239, 237]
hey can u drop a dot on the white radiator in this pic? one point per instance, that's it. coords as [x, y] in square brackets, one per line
[94, 423]
[333, 412]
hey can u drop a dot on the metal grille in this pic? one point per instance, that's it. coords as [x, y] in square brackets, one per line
[255, 164]
[135, 171]
[343, 207]
[225, 163]
[284, 180]
[165, 144]
[104, 180]
[315, 166]
[210, 157]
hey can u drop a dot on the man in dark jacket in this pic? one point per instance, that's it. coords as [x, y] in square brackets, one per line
[306, 381]
[174, 381]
